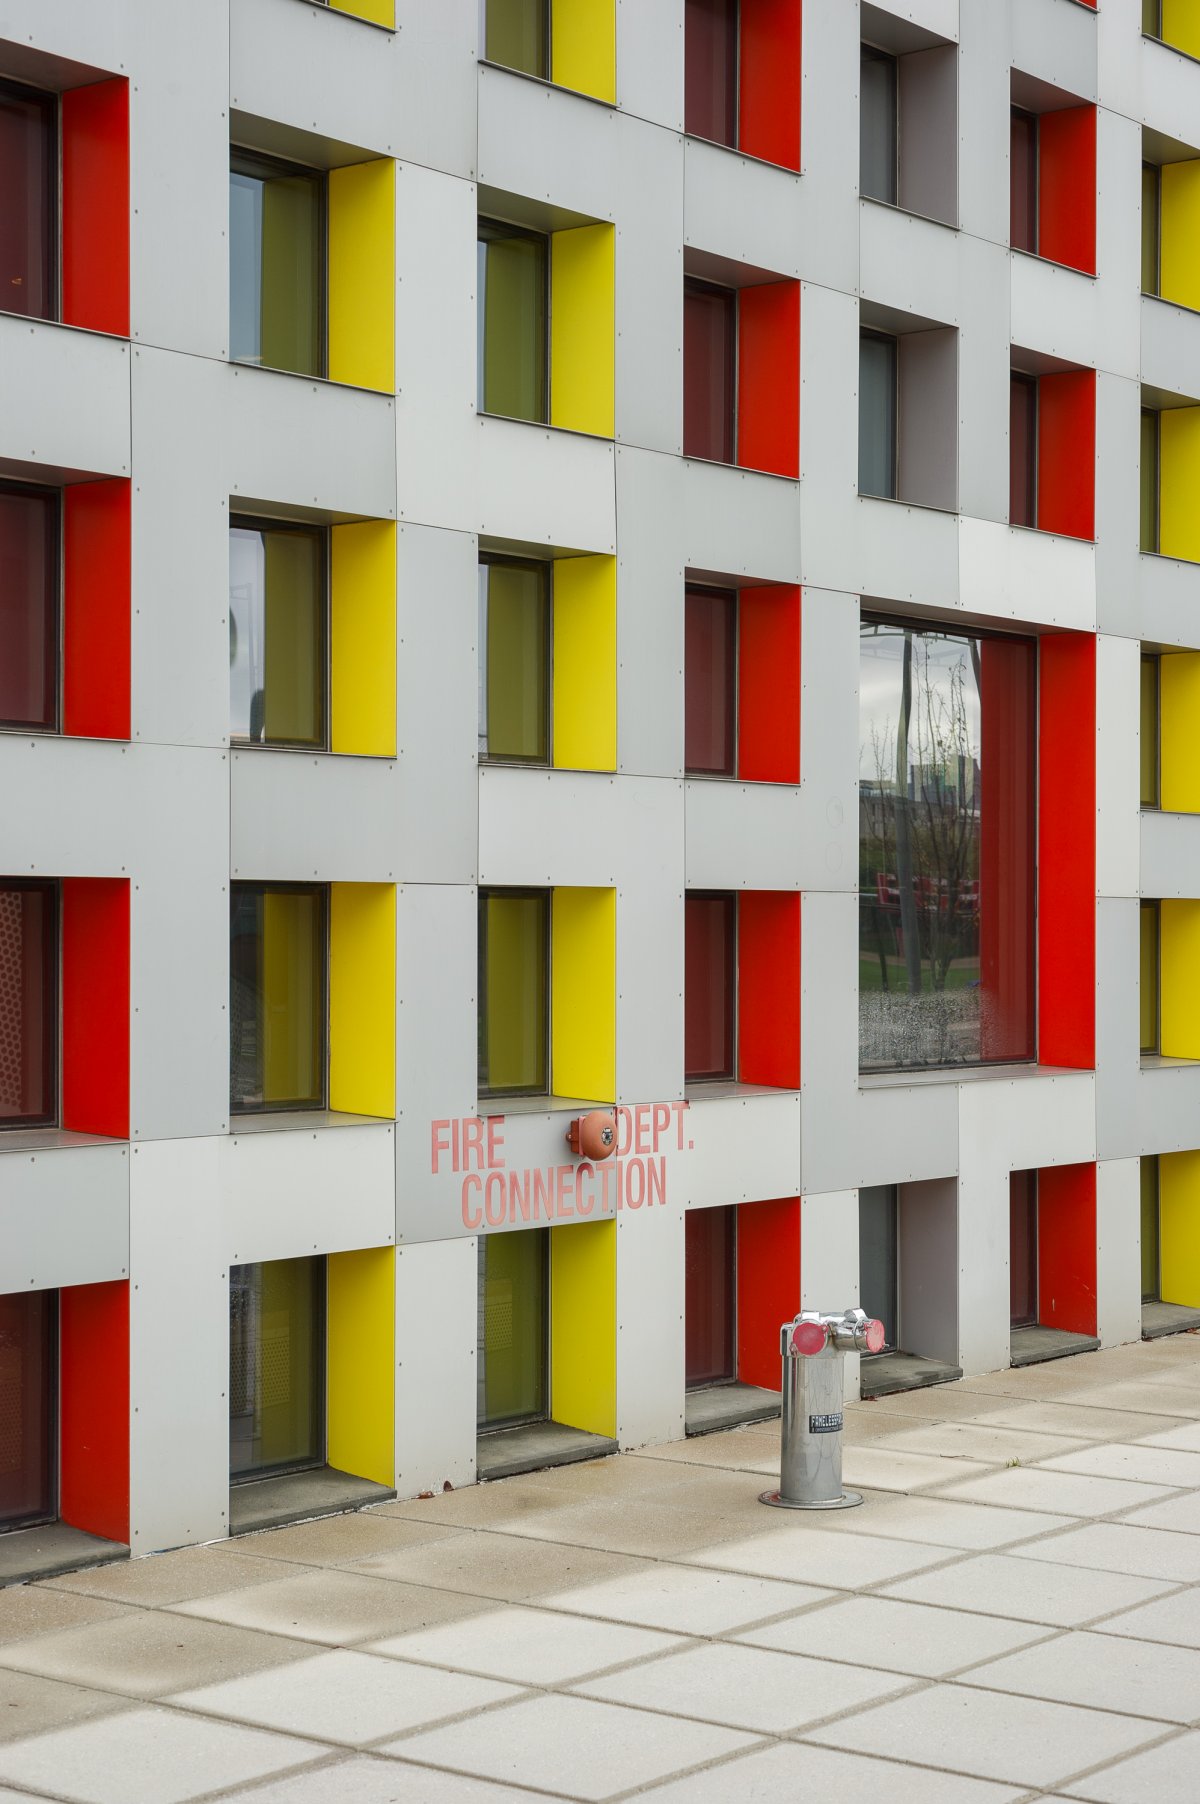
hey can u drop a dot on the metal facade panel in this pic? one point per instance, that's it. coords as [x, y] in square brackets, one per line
[902, 1135]
[1030, 1119]
[287, 1192]
[650, 1326]
[829, 739]
[650, 61]
[437, 961]
[573, 827]
[1168, 1101]
[984, 1304]
[743, 835]
[1117, 505]
[1057, 43]
[1170, 863]
[909, 263]
[1118, 813]
[650, 584]
[1170, 89]
[829, 145]
[300, 816]
[984, 89]
[1036, 578]
[436, 111]
[744, 1149]
[928, 1262]
[64, 1216]
[741, 522]
[436, 1334]
[743, 209]
[64, 811]
[983, 380]
[829, 1275]
[542, 143]
[929, 415]
[650, 975]
[1054, 309]
[1170, 347]
[905, 553]
[296, 64]
[1169, 601]
[44, 369]
[303, 443]
[1118, 1260]
[649, 289]
[1118, 243]
[1117, 1027]
[937, 16]
[437, 609]
[545, 485]
[829, 1038]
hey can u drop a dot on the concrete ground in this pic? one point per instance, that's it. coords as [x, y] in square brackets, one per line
[1013, 1614]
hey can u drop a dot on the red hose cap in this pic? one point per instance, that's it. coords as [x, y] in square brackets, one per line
[809, 1337]
[875, 1337]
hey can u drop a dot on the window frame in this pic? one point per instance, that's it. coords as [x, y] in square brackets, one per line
[272, 164]
[868, 52]
[489, 1092]
[729, 898]
[52, 1073]
[892, 339]
[57, 610]
[695, 773]
[291, 1468]
[545, 569]
[52, 100]
[265, 523]
[497, 230]
[241, 885]
[732, 298]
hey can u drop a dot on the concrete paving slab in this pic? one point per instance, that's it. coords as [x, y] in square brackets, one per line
[688, 1600]
[886, 1468]
[37, 1610]
[943, 1521]
[1146, 1464]
[529, 1647]
[31, 1705]
[1166, 1774]
[497, 1565]
[1058, 1492]
[334, 1607]
[169, 1578]
[1137, 1678]
[148, 1653]
[1174, 1619]
[910, 1638]
[781, 1775]
[1114, 1547]
[817, 1556]
[375, 1779]
[1028, 1590]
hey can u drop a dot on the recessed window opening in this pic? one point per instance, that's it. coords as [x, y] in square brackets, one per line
[516, 34]
[513, 1351]
[30, 607]
[513, 315]
[878, 125]
[276, 1368]
[1022, 449]
[1023, 180]
[710, 681]
[710, 36]
[515, 659]
[278, 1001]
[278, 633]
[710, 986]
[710, 1310]
[878, 415]
[29, 248]
[1148, 732]
[514, 992]
[1023, 1249]
[1151, 228]
[1150, 1230]
[28, 1409]
[1149, 976]
[29, 983]
[277, 261]
[709, 371]
[878, 1260]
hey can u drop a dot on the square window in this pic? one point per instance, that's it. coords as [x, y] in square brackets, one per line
[28, 201]
[709, 371]
[710, 681]
[516, 33]
[513, 1354]
[28, 1408]
[514, 660]
[276, 1367]
[877, 415]
[29, 606]
[514, 992]
[710, 987]
[278, 966]
[278, 633]
[513, 311]
[28, 1003]
[276, 264]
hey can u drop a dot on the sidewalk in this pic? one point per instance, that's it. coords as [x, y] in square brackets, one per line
[1013, 1614]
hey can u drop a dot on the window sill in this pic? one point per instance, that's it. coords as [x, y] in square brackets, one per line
[299, 1497]
[1035, 1345]
[1043, 532]
[546, 426]
[51, 1139]
[542, 81]
[963, 1074]
[712, 1407]
[913, 507]
[886, 1374]
[274, 1121]
[727, 1089]
[893, 206]
[55, 1547]
[1158, 1061]
[238, 364]
[742, 470]
[746, 156]
[532, 1446]
[541, 1104]
[1072, 269]
[1159, 1319]
[1167, 557]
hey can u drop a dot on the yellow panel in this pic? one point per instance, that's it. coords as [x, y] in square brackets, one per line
[362, 998]
[362, 274]
[583, 46]
[585, 663]
[583, 1326]
[1179, 741]
[379, 12]
[1179, 483]
[1181, 25]
[1179, 240]
[583, 994]
[360, 1333]
[1179, 979]
[583, 329]
[1179, 1228]
[362, 676]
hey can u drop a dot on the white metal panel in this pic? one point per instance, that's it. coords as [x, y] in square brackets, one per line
[909, 263]
[740, 521]
[744, 1149]
[650, 61]
[829, 1037]
[544, 143]
[984, 1300]
[900, 1134]
[1169, 590]
[1168, 1106]
[573, 827]
[650, 978]
[829, 1274]
[904, 553]
[1170, 854]
[1170, 89]
[1117, 1027]
[928, 1269]
[1057, 43]
[297, 65]
[1118, 525]
[650, 1327]
[44, 369]
[1031, 1118]
[829, 145]
[303, 816]
[436, 1332]
[1037, 578]
[64, 1215]
[829, 662]
[649, 289]
[929, 414]
[1054, 309]
[436, 112]
[1118, 1255]
[1118, 243]
[1170, 346]
[743, 835]
[983, 381]
[437, 704]
[928, 81]
[287, 1192]
[305, 443]
[437, 961]
[650, 609]
[984, 85]
[546, 486]
[937, 16]
[63, 807]
[1118, 813]
[741, 208]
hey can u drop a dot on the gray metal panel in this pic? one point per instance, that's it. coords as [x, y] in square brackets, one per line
[1168, 1106]
[436, 1333]
[1170, 347]
[1117, 1028]
[1057, 43]
[929, 131]
[300, 816]
[1170, 89]
[904, 553]
[1118, 1252]
[928, 459]
[1054, 309]
[573, 827]
[650, 584]
[743, 835]
[650, 61]
[937, 16]
[984, 1300]
[290, 1192]
[1170, 863]
[650, 1326]
[650, 968]
[902, 1134]
[983, 381]
[1118, 817]
[532, 134]
[1117, 505]
[1038, 578]
[983, 101]
[829, 664]
[64, 1216]
[743, 1149]
[829, 145]
[740, 521]
[44, 369]
[909, 263]
[928, 1265]
[1118, 243]
[435, 121]
[295, 65]
[829, 1038]
[829, 344]
[545, 485]
[1169, 594]
[437, 611]
[740, 208]
[649, 289]
[308, 443]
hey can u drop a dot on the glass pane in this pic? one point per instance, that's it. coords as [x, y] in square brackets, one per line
[877, 1287]
[1148, 479]
[1151, 190]
[517, 34]
[28, 201]
[1022, 450]
[514, 1000]
[512, 322]
[275, 263]
[877, 125]
[1152, 18]
[276, 1366]
[514, 1326]
[277, 997]
[1148, 733]
[28, 1003]
[28, 1396]
[710, 44]
[709, 363]
[876, 415]
[1023, 181]
[709, 1295]
[946, 847]
[28, 607]
[1148, 976]
[514, 651]
[1151, 1283]
[710, 681]
[277, 634]
[1022, 1248]
[710, 968]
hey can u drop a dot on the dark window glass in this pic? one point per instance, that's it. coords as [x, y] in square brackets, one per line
[276, 1367]
[710, 1241]
[1148, 926]
[1151, 195]
[514, 991]
[276, 265]
[28, 1003]
[514, 660]
[1152, 18]
[517, 34]
[876, 415]
[28, 1396]
[513, 1354]
[277, 980]
[710, 682]
[946, 847]
[28, 201]
[877, 1286]
[1151, 1281]
[1022, 449]
[1022, 1248]
[1148, 733]
[1023, 180]
[28, 607]
[278, 612]
[513, 314]
[710, 975]
[709, 371]
[1148, 478]
[877, 129]
[710, 45]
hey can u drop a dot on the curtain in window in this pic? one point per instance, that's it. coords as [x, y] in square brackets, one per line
[514, 968]
[28, 607]
[513, 325]
[709, 369]
[514, 1326]
[1022, 1249]
[710, 681]
[709, 1295]
[28, 1394]
[514, 652]
[28, 201]
[710, 975]
[28, 1003]
[276, 257]
[517, 34]
[277, 638]
[277, 981]
[1023, 180]
[710, 46]
[276, 1366]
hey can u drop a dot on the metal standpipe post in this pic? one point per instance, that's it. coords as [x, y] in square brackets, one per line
[812, 1347]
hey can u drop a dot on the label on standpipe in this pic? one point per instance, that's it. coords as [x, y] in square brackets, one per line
[825, 1424]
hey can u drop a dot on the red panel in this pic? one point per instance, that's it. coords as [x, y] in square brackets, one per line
[95, 206]
[768, 422]
[94, 1408]
[1066, 472]
[769, 988]
[1067, 187]
[1066, 1205]
[768, 1285]
[1008, 809]
[1067, 851]
[96, 584]
[95, 1005]
[769, 684]
[769, 81]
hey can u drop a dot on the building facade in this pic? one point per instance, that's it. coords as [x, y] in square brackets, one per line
[631, 558]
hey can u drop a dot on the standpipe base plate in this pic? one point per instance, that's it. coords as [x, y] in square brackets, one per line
[847, 1501]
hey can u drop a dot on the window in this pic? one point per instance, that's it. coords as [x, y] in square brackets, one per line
[1022, 1249]
[709, 371]
[28, 201]
[877, 415]
[29, 606]
[1149, 456]
[1051, 448]
[1022, 449]
[1148, 976]
[277, 264]
[742, 76]
[1152, 18]
[1151, 226]
[512, 1377]
[276, 1367]
[710, 1296]
[710, 681]
[1151, 1255]
[513, 316]
[1148, 732]
[878, 1287]
[514, 660]
[277, 996]
[278, 633]
[878, 137]
[1023, 180]
[514, 992]
[947, 772]
[28, 1003]
[711, 70]
[516, 33]
[710, 979]
[28, 1398]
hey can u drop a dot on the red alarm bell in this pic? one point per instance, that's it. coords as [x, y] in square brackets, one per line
[593, 1136]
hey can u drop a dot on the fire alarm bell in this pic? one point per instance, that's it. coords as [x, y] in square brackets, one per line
[593, 1136]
